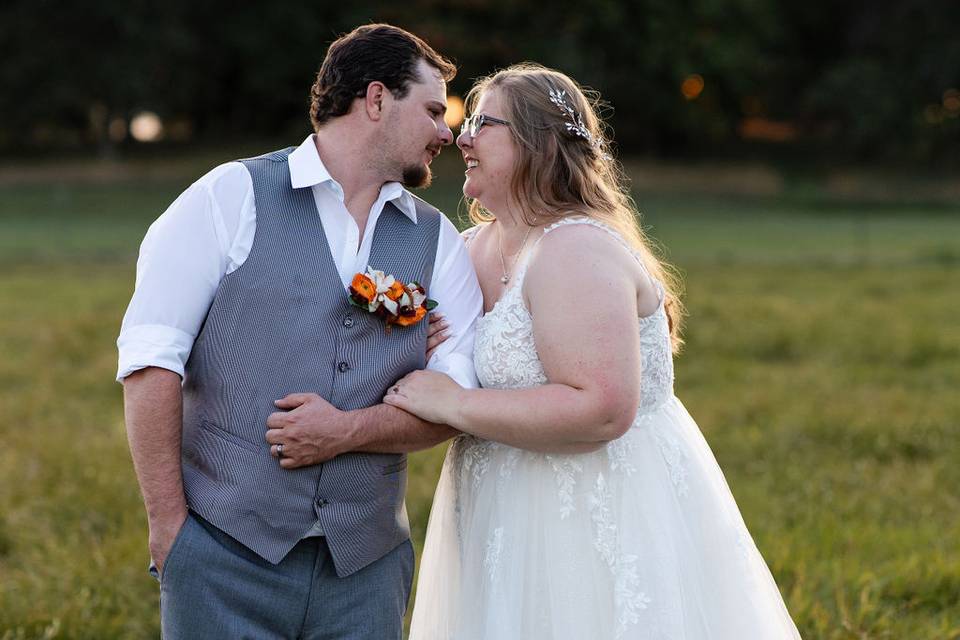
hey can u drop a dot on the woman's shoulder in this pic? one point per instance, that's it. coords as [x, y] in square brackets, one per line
[589, 253]
[581, 236]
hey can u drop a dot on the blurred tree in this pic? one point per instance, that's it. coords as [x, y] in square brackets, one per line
[882, 89]
[847, 78]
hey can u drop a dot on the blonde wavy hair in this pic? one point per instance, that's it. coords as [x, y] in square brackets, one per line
[560, 173]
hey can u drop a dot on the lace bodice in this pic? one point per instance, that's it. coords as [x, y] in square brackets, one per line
[506, 357]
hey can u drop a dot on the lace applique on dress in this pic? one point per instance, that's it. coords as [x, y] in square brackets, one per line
[491, 558]
[629, 600]
[476, 459]
[508, 462]
[565, 470]
[505, 354]
[620, 454]
[674, 457]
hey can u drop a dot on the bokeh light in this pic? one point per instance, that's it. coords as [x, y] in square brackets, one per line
[766, 130]
[692, 86]
[146, 127]
[455, 112]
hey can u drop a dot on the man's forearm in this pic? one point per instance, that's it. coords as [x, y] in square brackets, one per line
[385, 429]
[153, 409]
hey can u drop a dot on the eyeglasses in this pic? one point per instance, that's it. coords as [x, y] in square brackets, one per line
[474, 123]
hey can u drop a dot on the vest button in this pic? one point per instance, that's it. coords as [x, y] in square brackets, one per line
[321, 503]
[342, 367]
[348, 321]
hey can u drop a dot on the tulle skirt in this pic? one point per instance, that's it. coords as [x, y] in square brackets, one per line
[641, 540]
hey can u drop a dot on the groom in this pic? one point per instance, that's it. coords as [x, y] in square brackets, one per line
[272, 475]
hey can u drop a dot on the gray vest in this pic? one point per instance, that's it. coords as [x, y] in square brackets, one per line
[280, 324]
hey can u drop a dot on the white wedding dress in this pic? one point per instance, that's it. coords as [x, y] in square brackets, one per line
[641, 539]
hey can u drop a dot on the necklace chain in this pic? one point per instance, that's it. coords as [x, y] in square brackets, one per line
[503, 265]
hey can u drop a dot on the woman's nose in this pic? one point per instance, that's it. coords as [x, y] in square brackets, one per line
[464, 140]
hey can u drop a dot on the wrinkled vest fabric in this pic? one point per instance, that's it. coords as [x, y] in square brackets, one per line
[281, 323]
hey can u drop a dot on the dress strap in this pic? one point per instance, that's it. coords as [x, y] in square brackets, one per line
[469, 234]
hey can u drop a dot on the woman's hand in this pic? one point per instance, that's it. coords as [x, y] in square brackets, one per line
[437, 333]
[428, 395]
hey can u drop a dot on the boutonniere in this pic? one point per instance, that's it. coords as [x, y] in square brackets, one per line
[387, 297]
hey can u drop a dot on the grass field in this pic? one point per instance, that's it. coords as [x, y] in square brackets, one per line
[822, 364]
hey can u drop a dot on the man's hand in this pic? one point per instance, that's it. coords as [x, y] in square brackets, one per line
[310, 431]
[162, 535]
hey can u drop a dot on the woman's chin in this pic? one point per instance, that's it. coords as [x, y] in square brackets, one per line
[470, 190]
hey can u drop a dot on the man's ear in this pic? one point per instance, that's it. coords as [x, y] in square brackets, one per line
[377, 93]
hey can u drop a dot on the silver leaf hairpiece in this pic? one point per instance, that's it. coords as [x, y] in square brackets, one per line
[576, 125]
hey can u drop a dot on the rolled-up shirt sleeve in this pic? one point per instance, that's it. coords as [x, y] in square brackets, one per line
[454, 286]
[183, 257]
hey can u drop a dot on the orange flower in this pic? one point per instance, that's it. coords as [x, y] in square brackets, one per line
[363, 288]
[395, 291]
[407, 320]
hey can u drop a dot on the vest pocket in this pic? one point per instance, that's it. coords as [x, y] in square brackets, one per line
[378, 464]
[394, 468]
[230, 437]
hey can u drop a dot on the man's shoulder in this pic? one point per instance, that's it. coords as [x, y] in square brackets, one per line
[227, 175]
[280, 155]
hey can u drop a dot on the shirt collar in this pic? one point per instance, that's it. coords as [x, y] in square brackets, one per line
[307, 170]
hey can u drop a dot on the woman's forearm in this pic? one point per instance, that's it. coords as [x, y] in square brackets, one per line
[552, 418]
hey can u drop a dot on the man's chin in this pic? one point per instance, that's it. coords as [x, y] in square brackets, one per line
[417, 176]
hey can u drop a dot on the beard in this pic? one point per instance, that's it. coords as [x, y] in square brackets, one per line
[417, 176]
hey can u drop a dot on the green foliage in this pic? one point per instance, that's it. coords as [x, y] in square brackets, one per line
[821, 366]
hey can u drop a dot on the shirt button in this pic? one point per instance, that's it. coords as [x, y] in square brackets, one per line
[321, 503]
[348, 321]
[342, 367]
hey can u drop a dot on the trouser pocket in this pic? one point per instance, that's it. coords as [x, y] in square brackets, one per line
[173, 549]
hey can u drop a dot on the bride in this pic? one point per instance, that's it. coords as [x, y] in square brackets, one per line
[582, 502]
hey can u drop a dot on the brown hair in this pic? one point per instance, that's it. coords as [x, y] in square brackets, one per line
[373, 52]
[559, 173]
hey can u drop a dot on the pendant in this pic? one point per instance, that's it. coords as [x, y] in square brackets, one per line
[505, 279]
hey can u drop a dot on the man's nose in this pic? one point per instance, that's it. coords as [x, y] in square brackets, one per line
[446, 135]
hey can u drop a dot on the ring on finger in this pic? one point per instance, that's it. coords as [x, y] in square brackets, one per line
[280, 450]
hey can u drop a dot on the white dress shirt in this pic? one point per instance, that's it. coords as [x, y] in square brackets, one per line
[207, 233]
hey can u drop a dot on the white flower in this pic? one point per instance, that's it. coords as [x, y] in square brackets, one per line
[382, 281]
[418, 298]
[388, 303]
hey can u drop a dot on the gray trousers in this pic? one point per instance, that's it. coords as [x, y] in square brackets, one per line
[214, 587]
